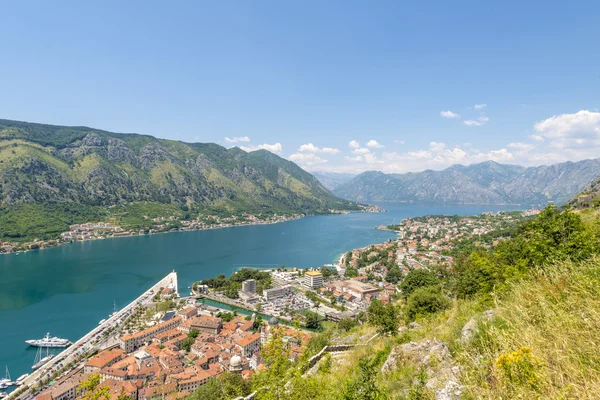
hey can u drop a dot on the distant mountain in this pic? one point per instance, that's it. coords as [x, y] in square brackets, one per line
[484, 183]
[332, 180]
[50, 165]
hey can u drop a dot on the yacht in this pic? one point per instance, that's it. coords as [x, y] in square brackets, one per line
[39, 361]
[48, 341]
[101, 321]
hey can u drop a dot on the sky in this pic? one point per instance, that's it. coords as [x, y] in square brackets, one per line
[340, 86]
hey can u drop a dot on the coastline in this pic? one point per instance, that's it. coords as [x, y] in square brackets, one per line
[222, 226]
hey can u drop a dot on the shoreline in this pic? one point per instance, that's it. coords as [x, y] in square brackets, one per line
[133, 234]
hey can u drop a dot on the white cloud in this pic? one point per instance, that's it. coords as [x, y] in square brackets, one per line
[357, 158]
[311, 148]
[537, 138]
[582, 123]
[521, 146]
[354, 144]
[435, 146]
[399, 141]
[273, 148]
[236, 139]
[361, 150]
[477, 122]
[449, 114]
[307, 159]
[479, 106]
[374, 144]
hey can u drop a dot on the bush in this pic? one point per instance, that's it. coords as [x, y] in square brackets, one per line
[416, 279]
[426, 300]
[347, 323]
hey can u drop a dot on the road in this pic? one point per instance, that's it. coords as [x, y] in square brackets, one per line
[85, 343]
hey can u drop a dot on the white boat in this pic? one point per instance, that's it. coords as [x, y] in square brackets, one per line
[115, 311]
[39, 360]
[3, 395]
[20, 380]
[101, 321]
[48, 341]
[5, 382]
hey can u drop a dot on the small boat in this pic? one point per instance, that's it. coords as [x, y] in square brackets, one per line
[39, 360]
[5, 382]
[20, 380]
[101, 321]
[3, 395]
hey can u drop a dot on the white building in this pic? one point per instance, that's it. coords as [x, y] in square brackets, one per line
[313, 279]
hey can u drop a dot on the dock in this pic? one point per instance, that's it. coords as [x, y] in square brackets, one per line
[84, 344]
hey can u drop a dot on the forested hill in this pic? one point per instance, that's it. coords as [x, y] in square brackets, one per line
[484, 183]
[59, 165]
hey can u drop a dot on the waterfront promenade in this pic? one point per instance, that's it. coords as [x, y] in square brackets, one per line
[85, 345]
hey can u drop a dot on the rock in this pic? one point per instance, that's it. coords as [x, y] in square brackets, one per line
[414, 325]
[432, 355]
[92, 139]
[468, 331]
[489, 314]
[452, 391]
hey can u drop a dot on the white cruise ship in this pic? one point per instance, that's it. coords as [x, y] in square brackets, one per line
[48, 341]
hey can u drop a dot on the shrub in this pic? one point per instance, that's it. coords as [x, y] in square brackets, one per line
[520, 367]
[416, 279]
[426, 300]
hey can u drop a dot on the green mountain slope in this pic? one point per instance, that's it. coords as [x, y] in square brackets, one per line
[46, 164]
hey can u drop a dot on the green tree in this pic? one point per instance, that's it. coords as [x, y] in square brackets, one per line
[313, 320]
[417, 278]
[193, 333]
[384, 316]
[187, 344]
[90, 389]
[426, 300]
[394, 274]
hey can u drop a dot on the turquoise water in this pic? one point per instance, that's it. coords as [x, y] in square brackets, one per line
[68, 289]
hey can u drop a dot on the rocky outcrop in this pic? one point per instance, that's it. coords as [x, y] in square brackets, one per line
[432, 355]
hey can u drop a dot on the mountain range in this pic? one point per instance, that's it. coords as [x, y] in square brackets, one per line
[484, 183]
[49, 165]
[332, 180]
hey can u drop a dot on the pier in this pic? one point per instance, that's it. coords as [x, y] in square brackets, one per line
[84, 345]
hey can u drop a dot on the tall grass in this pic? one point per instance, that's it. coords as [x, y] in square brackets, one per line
[544, 341]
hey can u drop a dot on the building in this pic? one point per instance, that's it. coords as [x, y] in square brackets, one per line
[313, 279]
[249, 344]
[276, 293]
[249, 286]
[134, 341]
[103, 359]
[206, 324]
[360, 290]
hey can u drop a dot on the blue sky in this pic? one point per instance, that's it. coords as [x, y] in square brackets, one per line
[427, 84]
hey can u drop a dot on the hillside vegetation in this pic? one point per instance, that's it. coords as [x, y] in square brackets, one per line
[45, 170]
[485, 183]
[520, 320]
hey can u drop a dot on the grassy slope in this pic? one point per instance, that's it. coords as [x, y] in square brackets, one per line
[552, 312]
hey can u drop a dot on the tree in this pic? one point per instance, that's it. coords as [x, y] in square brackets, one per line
[90, 389]
[351, 272]
[187, 344]
[394, 274]
[417, 278]
[347, 323]
[383, 316]
[258, 321]
[313, 320]
[226, 386]
[193, 333]
[426, 300]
